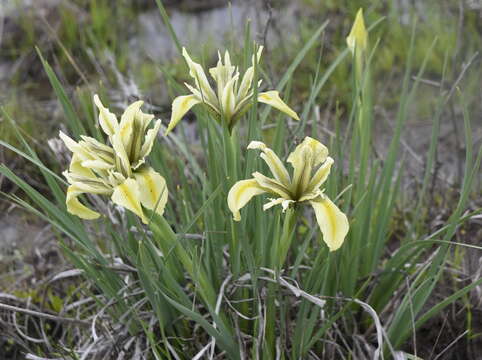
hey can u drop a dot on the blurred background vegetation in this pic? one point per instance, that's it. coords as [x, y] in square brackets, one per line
[94, 45]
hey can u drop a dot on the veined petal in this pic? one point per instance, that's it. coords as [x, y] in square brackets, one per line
[127, 195]
[245, 85]
[76, 148]
[272, 98]
[301, 160]
[180, 106]
[273, 161]
[272, 185]
[97, 164]
[77, 168]
[152, 190]
[240, 194]
[280, 201]
[320, 175]
[148, 143]
[87, 185]
[333, 223]
[107, 120]
[320, 151]
[228, 99]
[197, 73]
[101, 150]
[122, 161]
[75, 207]
[358, 37]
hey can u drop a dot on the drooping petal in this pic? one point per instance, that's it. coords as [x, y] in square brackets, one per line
[273, 161]
[240, 194]
[272, 98]
[152, 189]
[148, 143]
[77, 168]
[321, 175]
[107, 120]
[127, 195]
[75, 207]
[271, 185]
[180, 106]
[333, 223]
[197, 73]
[358, 37]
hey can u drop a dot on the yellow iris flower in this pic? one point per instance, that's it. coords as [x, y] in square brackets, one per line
[311, 165]
[232, 96]
[117, 170]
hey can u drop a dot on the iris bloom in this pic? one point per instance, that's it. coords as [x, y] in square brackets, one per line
[311, 165]
[117, 170]
[232, 95]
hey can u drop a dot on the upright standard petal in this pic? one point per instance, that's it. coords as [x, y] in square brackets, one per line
[197, 73]
[320, 151]
[152, 190]
[320, 175]
[180, 106]
[107, 120]
[127, 195]
[148, 143]
[240, 194]
[273, 161]
[358, 37]
[122, 161]
[272, 98]
[75, 207]
[333, 223]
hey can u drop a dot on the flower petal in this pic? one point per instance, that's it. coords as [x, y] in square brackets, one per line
[75, 207]
[272, 98]
[333, 223]
[122, 161]
[148, 143]
[320, 151]
[107, 120]
[152, 189]
[197, 73]
[358, 37]
[272, 185]
[320, 175]
[180, 106]
[228, 99]
[240, 194]
[127, 195]
[273, 161]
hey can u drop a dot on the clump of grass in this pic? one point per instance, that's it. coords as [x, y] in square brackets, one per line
[194, 283]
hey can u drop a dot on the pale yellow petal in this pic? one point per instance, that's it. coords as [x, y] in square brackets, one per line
[127, 195]
[358, 37]
[320, 175]
[75, 207]
[240, 194]
[107, 120]
[245, 84]
[228, 99]
[197, 73]
[301, 160]
[271, 185]
[273, 161]
[180, 106]
[272, 98]
[122, 161]
[77, 168]
[148, 143]
[320, 151]
[97, 164]
[152, 190]
[333, 223]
